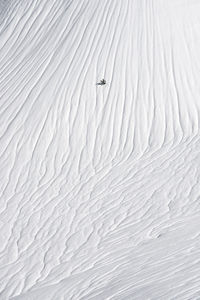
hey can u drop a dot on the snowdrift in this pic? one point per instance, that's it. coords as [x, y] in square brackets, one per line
[99, 184]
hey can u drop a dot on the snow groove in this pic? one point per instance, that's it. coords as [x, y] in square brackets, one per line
[99, 185]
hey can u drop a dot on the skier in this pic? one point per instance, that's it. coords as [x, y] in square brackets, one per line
[102, 82]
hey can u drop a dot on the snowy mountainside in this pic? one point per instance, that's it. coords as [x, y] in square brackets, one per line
[99, 184]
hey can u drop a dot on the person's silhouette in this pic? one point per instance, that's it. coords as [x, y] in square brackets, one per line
[102, 82]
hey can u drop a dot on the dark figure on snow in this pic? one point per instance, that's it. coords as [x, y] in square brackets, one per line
[102, 82]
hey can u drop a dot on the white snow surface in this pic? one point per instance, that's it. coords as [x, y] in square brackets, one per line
[99, 185]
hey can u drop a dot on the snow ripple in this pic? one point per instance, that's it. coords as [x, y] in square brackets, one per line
[99, 185]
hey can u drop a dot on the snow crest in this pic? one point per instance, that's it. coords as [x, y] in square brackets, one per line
[99, 184]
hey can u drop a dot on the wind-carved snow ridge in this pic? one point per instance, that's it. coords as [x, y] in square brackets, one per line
[99, 184]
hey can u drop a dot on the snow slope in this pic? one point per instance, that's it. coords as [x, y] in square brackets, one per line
[99, 185]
